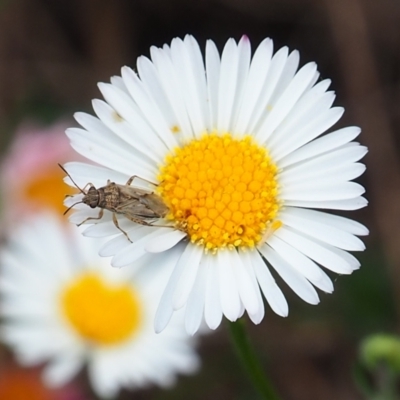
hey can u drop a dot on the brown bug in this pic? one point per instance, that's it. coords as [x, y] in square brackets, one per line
[138, 205]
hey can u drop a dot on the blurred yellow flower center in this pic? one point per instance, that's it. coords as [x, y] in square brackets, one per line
[221, 191]
[101, 312]
[47, 189]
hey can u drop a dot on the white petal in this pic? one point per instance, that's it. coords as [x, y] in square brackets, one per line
[213, 64]
[263, 106]
[286, 77]
[148, 107]
[309, 132]
[323, 191]
[132, 135]
[255, 84]
[83, 173]
[186, 281]
[270, 289]
[171, 83]
[321, 231]
[63, 369]
[135, 250]
[348, 204]
[114, 245]
[101, 378]
[346, 154]
[227, 85]
[329, 257]
[212, 306]
[286, 101]
[154, 84]
[165, 308]
[329, 172]
[337, 221]
[145, 139]
[309, 105]
[165, 241]
[244, 54]
[302, 264]
[107, 228]
[247, 290]
[229, 294]
[321, 145]
[119, 83]
[258, 316]
[294, 279]
[195, 303]
[106, 154]
[295, 258]
[188, 61]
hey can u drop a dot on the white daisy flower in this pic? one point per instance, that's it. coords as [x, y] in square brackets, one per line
[236, 150]
[62, 303]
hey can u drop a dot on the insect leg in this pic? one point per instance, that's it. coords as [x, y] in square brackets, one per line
[143, 222]
[88, 184]
[115, 220]
[131, 179]
[100, 216]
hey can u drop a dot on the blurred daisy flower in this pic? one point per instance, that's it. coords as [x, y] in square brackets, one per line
[235, 147]
[30, 178]
[63, 304]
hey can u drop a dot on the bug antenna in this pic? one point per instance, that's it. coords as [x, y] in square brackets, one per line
[73, 205]
[70, 177]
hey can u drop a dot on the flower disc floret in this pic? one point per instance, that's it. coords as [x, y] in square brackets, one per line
[222, 191]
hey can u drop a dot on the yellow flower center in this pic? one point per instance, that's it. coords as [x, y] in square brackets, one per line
[221, 191]
[101, 312]
[48, 190]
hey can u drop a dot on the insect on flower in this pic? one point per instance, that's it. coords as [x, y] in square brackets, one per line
[138, 205]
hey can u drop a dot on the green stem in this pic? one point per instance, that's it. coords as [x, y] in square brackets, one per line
[249, 360]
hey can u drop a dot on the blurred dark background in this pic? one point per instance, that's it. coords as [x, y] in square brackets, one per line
[52, 54]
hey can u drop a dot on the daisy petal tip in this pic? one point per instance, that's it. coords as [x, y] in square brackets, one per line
[191, 330]
[102, 85]
[87, 231]
[314, 301]
[356, 267]
[115, 266]
[96, 103]
[256, 318]
[160, 324]
[213, 325]
[126, 70]
[115, 263]
[282, 311]
[365, 232]
[158, 329]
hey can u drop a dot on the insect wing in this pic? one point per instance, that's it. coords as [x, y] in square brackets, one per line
[155, 203]
[134, 208]
[129, 192]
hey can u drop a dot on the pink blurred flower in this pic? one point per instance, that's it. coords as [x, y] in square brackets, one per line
[30, 178]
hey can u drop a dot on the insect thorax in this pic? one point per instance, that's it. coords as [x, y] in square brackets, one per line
[109, 196]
